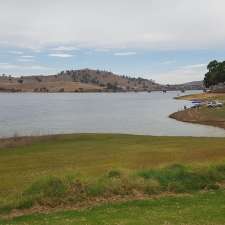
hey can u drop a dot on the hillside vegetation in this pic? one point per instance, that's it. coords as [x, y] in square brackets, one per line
[86, 80]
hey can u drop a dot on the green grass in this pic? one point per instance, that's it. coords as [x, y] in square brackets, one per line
[199, 209]
[204, 96]
[55, 192]
[69, 169]
[214, 114]
[90, 155]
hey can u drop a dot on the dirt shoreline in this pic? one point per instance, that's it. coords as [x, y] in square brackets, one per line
[200, 116]
[183, 116]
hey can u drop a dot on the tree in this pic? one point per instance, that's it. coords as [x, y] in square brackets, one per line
[216, 73]
[212, 65]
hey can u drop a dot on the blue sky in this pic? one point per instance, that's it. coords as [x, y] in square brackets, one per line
[162, 66]
[169, 42]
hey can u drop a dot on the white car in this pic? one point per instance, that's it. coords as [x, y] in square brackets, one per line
[214, 104]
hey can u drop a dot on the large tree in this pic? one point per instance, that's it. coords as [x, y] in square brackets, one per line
[215, 74]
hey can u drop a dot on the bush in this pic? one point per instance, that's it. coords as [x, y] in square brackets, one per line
[152, 187]
[25, 203]
[114, 173]
[49, 187]
[177, 178]
[53, 191]
[176, 187]
[96, 188]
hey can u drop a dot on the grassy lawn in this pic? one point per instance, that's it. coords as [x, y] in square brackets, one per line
[216, 114]
[199, 209]
[90, 155]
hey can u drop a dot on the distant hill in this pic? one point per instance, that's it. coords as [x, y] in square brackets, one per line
[195, 84]
[85, 80]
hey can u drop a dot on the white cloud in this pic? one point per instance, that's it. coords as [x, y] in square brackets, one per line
[27, 56]
[61, 55]
[37, 67]
[16, 52]
[182, 74]
[65, 48]
[124, 53]
[7, 66]
[102, 50]
[169, 62]
[25, 60]
[152, 24]
[202, 65]
[31, 69]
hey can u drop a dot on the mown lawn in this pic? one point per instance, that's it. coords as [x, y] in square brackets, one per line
[199, 209]
[90, 155]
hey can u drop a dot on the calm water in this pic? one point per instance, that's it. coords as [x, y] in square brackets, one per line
[135, 113]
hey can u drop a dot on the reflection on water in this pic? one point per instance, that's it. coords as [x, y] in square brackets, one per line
[135, 113]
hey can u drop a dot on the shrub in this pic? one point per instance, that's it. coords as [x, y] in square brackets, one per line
[176, 187]
[53, 191]
[49, 187]
[25, 203]
[114, 174]
[177, 178]
[152, 187]
[95, 189]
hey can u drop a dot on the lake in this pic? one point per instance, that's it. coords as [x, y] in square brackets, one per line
[132, 113]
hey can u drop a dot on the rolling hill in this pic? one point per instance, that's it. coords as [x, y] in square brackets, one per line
[85, 80]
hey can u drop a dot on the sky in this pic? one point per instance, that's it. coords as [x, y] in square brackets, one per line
[167, 41]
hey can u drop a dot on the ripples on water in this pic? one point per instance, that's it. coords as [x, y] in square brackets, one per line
[134, 113]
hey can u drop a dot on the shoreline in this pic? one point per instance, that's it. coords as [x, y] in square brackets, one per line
[203, 116]
[182, 117]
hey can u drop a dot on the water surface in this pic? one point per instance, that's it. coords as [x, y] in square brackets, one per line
[133, 113]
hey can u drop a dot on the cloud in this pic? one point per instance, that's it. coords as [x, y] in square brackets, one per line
[25, 60]
[124, 53]
[102, 50]
[148, 24]
[65, 48]
[193, 66]
[27, 56]
[182, 74]
[169, 62]
[60, 55]
[7, 66]
[15, 52]
[31, 69]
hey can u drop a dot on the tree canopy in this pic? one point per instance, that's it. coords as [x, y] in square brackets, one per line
[215, 74]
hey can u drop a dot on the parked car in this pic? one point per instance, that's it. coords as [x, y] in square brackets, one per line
[214, 104]
[197, 105]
